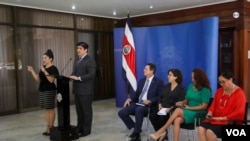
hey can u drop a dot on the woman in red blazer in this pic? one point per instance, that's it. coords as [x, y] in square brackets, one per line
[228, 105]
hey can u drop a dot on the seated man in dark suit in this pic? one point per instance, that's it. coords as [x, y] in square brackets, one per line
[147, 93]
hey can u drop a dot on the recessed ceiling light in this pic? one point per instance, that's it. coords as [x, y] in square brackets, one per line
[114, 13]
[151, 6]
[73, 7]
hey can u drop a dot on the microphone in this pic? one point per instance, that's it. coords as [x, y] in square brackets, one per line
[66, 65]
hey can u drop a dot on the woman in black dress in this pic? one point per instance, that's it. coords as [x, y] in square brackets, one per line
[47, 88]
[171, 93]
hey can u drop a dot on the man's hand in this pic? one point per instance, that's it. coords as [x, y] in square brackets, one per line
[127, 102]
[74, 77]
[146, 102]
[159, 106]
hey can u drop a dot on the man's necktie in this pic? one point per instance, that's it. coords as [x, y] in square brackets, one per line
[144, 90]
[79, 60]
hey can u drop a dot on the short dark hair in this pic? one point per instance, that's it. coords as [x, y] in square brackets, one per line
[228, 75]
[177, 73]
[152, 67]
[83, 44]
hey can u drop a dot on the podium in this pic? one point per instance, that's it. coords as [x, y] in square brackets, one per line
[64, 131]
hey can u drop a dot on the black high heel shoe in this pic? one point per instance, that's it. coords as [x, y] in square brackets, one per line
[46, 133]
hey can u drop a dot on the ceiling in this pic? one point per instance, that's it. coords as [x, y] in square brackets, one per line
[106, 8]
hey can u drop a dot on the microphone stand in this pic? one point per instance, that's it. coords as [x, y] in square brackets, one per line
[66, 65]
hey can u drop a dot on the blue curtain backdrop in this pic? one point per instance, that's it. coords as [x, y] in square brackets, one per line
[184, 46]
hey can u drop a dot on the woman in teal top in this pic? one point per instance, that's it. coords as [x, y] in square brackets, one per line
[196, 101]
[195, 97]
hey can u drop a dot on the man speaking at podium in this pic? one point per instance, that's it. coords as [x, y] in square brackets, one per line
[83, 77]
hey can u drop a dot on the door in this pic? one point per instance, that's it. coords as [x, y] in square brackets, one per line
[101, 49]
[8, 95]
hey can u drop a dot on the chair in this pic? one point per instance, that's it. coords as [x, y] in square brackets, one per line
[189, 127]
[244, 122]
[192, 126]
[147, 124]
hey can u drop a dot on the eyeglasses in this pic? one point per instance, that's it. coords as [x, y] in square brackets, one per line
[222, 82]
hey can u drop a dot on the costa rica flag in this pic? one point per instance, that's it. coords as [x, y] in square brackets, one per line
[129, 58]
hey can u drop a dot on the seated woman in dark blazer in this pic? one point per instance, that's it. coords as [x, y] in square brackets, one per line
[171, 93]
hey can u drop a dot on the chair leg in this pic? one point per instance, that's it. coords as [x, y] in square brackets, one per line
[147, 125]
[193, 138]
[127, 134]
[170, 133]
[148, 139]
[147, 133]
[188, 135]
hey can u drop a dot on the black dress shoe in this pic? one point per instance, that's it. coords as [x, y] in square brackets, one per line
[136, 138]
[132, 135]
[83, 134]
[46, 133]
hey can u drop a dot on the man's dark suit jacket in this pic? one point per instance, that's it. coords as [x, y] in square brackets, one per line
[86, 70]
[154, 90]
